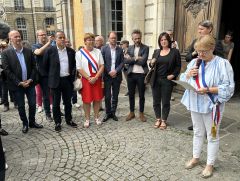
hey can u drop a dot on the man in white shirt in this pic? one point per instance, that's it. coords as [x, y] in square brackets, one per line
[60, 64]
[136, 59]
[113, 64]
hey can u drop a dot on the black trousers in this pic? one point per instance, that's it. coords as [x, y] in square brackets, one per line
[2, 162]
[19, 95]
[5, 91]
[2, 175]
[136, 80]
[64, 89]
[162, 92]
[111, 92]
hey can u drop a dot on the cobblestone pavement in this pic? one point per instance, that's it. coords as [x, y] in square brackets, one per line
[113, 151]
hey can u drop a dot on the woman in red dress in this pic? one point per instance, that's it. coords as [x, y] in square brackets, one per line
[90, 65]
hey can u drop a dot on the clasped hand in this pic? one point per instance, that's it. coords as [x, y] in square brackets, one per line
[92, 80]
[25, 83]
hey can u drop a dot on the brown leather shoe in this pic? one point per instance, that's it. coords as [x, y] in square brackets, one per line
[142, 117]
[130, 116]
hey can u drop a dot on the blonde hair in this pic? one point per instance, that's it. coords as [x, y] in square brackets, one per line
[89, 35]
[205, 42]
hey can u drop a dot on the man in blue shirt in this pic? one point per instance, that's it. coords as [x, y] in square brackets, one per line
[38, 49]
[19, 66]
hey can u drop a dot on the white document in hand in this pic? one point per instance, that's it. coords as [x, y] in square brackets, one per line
[184, 84]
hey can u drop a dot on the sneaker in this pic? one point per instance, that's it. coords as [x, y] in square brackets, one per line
[172, 98]
[40, 109]
[6, 166]
[77, 105]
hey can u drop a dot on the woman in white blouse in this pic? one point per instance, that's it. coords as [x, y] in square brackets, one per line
[212, 76]
[90, 65]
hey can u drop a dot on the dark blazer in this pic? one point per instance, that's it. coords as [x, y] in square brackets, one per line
[51, 63]
[217, 51]
[106, 53]
[174, 65]
[12, 67]
[143, 52]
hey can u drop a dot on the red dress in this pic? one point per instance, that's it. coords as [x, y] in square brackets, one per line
[91, 92]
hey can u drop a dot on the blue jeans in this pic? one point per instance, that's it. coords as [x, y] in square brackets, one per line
[20, 99]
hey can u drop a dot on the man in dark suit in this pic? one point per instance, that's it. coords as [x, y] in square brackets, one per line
[136, 59]
[19, 66]
[59, 61]
[113, 63]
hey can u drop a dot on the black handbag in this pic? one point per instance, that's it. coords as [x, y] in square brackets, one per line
[149, 75]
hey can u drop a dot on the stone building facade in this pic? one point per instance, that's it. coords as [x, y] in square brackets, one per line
[29, 15]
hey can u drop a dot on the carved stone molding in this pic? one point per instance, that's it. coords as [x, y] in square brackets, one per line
[3, 16]
[195, 6]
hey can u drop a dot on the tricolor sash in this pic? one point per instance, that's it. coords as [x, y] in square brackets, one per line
[90, 59]
[200, 81]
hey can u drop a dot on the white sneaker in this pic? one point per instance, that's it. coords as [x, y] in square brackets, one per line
[39, 110]
[4, 150]
[77, 105]
[6, 166]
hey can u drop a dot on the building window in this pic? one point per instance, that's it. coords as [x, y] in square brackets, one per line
[48, 5]
[117, 18]
[49, 25]
[18, 5]
[22, 28]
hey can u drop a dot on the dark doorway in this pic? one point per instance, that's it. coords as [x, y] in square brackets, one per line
[229, 21]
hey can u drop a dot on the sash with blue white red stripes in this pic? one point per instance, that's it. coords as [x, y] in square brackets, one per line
[200, 81]
[90, 59]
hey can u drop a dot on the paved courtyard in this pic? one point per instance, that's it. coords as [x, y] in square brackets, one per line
[117, 150]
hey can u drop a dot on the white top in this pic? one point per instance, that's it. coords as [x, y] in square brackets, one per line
[82, 62]
[113, 57]
[137, 68]
[218, 73]
[63, 58]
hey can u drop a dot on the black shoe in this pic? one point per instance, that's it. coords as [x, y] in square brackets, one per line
[126, 94]
[190, 128]
[58, 127]
[114, 117]
[106, 117]
[49, 118]
[3, 132]
[71, 123]
[62, 114]
[35, 125]
[1, 102]
[5, 108]
[101, 109]
[25, 129]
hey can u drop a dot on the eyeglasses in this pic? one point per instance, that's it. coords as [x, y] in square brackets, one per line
[203, 52]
